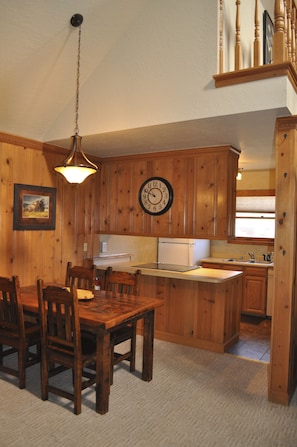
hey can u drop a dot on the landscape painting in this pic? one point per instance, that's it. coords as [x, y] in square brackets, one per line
[34, 207]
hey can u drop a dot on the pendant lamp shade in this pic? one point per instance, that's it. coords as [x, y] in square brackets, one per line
[76, 167]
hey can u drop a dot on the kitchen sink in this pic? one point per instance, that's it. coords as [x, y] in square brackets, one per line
[252, 261]
[247, 261]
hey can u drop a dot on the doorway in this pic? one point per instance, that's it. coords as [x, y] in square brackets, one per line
[254, 339]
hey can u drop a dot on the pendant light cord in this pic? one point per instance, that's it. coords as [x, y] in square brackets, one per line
[77, 82]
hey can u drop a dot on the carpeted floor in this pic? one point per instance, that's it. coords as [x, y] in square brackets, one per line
[196, 398]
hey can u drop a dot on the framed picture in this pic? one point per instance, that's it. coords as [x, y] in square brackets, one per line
[268, 30]
[34, 207]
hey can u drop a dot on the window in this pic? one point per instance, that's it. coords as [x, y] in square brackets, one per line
[255, 216]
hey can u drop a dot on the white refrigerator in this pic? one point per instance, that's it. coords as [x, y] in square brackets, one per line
[182, 251]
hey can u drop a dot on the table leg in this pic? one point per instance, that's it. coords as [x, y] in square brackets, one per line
[148, 346]
[102, 372]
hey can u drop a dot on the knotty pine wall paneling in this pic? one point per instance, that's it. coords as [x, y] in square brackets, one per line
[205, 212]
[33, 254]
[204, 184]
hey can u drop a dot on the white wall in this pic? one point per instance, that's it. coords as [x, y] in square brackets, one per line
[142, 249]
[143, 63]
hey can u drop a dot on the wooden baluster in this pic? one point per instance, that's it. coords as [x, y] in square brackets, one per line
[294, 37]
[288, 7]
[286, 30]
[237, 39]
[279, 32]
[221, 52]
[257, 36]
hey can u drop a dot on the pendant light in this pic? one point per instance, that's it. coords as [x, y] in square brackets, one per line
[76, 167]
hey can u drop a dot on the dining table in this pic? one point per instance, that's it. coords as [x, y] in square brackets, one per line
[101, 314]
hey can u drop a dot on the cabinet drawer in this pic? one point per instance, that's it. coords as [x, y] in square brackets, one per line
[256, 271]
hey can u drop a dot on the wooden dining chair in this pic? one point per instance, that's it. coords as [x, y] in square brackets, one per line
[81, 277]
[128, 283]
[63, 347]
[16, 334]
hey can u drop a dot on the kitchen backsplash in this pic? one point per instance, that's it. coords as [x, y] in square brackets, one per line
[221, 249]
[144, 249]
[141, 248]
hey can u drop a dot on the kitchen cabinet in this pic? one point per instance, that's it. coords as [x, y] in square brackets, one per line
[254, 295]
[254, 292]
[204, 190]
[205, 315]
[202, 312]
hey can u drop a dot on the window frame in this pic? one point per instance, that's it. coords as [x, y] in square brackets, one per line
[253, 240]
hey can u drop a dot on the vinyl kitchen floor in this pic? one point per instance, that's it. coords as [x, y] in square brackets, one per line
[254, 339]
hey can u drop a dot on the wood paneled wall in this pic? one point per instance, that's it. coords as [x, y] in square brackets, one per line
[204, 184]
[44, 254]
[283, 364]
[204, 198]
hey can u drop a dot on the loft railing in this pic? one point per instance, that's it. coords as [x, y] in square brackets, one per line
[284, 46]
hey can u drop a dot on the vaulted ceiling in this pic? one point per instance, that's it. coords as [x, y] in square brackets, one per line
[137, 79]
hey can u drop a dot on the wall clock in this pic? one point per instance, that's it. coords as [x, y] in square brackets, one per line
[155, 196]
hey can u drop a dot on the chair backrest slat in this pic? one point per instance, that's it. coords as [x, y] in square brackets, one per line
[59, 317]
[81, 277]
[11, 310]
[122, 282]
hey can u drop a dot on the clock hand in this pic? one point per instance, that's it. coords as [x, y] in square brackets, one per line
[152, 194]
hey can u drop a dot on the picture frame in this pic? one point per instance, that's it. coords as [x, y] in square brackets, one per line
[34, 207]
[268, 31]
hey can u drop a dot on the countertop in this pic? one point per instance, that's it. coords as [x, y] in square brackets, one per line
[199, 274]
[239, 261]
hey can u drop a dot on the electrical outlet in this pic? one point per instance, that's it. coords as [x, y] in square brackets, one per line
[103, 247]
[85, 246]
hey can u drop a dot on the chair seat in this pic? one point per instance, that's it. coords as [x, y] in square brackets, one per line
[88, 345]
[122, 334]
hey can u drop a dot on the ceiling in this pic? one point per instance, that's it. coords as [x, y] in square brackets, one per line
[251, 133]
[38, 73]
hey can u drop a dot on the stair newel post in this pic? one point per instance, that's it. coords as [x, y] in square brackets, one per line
[279, 38]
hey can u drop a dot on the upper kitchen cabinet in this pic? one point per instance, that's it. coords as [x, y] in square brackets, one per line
[203, 182]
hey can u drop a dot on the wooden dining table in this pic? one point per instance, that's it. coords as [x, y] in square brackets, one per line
[101, 315]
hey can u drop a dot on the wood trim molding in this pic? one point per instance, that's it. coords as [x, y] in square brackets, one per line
[255, 192]
[20, 141]
[257, 73]
[178, 152]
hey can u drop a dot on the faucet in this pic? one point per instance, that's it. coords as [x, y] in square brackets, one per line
[252, 255]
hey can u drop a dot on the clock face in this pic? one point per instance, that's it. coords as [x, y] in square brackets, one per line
[155, 196]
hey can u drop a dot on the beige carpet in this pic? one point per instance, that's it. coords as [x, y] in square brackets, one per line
[196, 398]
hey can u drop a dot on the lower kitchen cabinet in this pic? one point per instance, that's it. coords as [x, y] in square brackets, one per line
[202, 314]
[254, 295]
[254, 292]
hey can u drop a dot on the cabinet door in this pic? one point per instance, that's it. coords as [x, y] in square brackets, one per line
[254, 287]
[154, 286]
[180, 308]
[254, 295]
